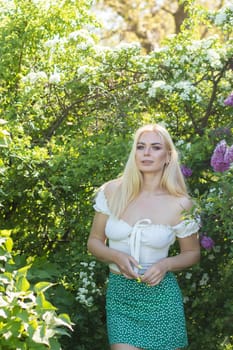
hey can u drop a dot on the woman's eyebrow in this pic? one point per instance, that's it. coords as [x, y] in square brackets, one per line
[153, 143]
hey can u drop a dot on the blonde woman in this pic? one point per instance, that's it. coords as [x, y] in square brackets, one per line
[138, 217]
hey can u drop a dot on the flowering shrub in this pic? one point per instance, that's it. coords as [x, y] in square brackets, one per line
[71, 105]
[201, 286]
[88, 290]
[229, 100]
[206, 242]
[222, 157]
[187, 172]
[27, 319]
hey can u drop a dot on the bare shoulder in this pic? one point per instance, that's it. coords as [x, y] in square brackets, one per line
[111, 187]
[185, 203]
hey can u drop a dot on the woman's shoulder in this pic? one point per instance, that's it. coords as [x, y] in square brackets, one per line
[111, 187]
[184, 204]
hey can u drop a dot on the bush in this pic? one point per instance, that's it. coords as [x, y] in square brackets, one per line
[27, 320]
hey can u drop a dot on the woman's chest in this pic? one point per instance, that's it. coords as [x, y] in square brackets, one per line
[159, 209]
[148, 234]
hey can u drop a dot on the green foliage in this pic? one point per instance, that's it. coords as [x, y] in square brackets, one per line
[71, 106]
[27, 319]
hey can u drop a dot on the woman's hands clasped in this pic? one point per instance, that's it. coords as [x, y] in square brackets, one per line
[126, 264]
[155, 273]
[152, 276]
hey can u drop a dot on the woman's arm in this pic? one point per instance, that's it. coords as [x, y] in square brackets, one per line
[97, 246]
[188, 256]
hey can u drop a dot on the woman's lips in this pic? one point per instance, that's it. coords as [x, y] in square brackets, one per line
[147, 161]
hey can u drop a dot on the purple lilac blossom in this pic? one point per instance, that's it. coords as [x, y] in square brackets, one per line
[218, 161]
[187, 172]
[206, 242]
[228, 157]
[229, 100]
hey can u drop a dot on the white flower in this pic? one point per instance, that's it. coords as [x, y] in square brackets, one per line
[52, 42]
[82, 46]
[89, 301]
[127, 46]
[82, 70]
[185, 299]
[74, 35]
[213, 189]
[204, 279]
[82, 274]
[81, 298]
[186, 88]
[220, 18]
[188, 275]
[185, 96]
[85, 282]
[179, 143]
[211, 257]
[161, 49]
[185, 85]
[158, 84]
[214, 58]
[83, 290]
[142, 85]
[92, 264]
[55, 78]
[33, 77]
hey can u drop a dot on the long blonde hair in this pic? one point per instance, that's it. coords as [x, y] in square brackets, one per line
[172, 179]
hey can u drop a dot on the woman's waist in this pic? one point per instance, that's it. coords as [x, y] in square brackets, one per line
[141, 269]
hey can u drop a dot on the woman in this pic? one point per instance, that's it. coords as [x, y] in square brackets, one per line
[138, 217]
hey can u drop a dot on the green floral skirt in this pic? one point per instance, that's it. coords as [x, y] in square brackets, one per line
[151, 318]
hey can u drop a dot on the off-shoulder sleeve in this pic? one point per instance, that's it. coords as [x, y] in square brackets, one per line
[101, 204]
[186, 228]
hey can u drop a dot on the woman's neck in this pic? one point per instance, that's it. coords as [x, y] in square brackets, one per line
[151, 184]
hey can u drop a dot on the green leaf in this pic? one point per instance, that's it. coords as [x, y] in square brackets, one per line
[9, 244]
[42, 303]
[22, 284]
[23, 270]
[42, 335]
[42, 286]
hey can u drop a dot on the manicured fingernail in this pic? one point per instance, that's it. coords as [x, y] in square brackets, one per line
[140, 266]
[139, 280]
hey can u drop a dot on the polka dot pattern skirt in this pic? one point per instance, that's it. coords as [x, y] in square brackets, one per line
[151, 318]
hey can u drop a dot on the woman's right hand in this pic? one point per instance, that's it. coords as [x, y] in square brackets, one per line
[126, 264]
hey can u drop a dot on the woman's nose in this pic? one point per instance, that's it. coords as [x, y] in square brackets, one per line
[147, 150]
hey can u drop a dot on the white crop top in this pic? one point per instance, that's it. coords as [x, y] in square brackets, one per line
[145, 241]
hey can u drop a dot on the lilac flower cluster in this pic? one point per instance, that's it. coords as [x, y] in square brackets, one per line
[206, 242]
[187, 172]
[229, 100]
[222, 157]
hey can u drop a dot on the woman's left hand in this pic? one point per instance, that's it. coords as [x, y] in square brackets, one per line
[155, 273]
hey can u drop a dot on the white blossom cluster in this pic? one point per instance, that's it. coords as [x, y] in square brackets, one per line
[83, 38]
[204, 280]
[34, 77]
[224, 16]
[87, 287]
[156, 86]
[199, 56]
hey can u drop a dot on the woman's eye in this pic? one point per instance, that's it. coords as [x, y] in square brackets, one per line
[156, 148]
[140, 147]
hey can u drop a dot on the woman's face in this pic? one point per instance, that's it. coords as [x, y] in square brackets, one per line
[151, 153]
